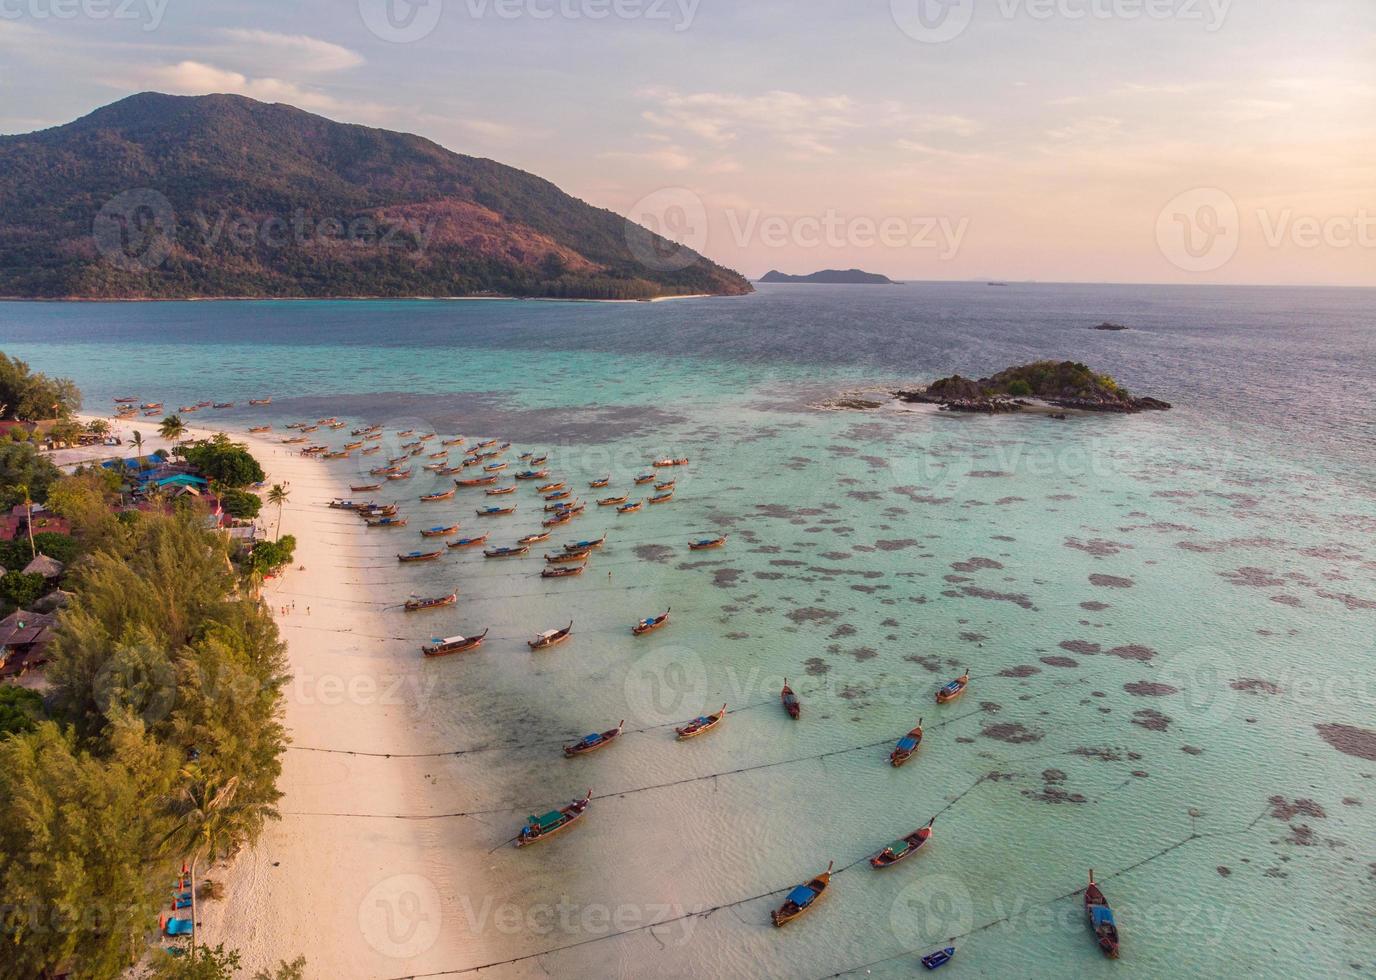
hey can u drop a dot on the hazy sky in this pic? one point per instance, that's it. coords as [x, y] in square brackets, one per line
[1102, 140]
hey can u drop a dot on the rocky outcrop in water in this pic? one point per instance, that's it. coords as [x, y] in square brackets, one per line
[1064, 384]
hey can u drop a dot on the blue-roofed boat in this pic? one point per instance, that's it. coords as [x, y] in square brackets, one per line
[414, 556]
[802, 898]
[706, 544]
[469, 542]
[591, 743]
[532, 474]
[1100, 917]
[646, 478]
[700, 725]
[600, 483]
[440, 532]
[652, 623]
[902, 849]
[954, 689]
[432, 498]
[453, 644]
[497, 511]
[586, 545]
[538, 828]
[940, 958]
[416, 605]
[662, 498]
[906, 746]
[534, 538]
[507, 552]
[550, 487]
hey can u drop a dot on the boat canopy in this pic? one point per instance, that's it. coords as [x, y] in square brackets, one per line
[801, 895]
[1101, 915]
[898, 847]
[548, 820]
[907, 743]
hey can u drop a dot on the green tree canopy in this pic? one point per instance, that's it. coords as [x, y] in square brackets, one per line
[25, 394]
[22, 465]
[226, 463]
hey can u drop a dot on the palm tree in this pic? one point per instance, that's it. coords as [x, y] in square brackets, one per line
[28, 507]
[278, 495]
[207, 818]
[172, 428]
[137, 440]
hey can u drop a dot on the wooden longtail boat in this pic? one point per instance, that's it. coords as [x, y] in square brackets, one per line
[551, 638]
[568, 558]
[540, 460]
[500, 491]
[456, 441]
[516, 552]
[469, 542]
[790, 701]
[406, 433]
[591, 743]
[371, 451]
[662, 498]
[433, 467]
[125, 401]
[419, 556]
[954, 689]
[940, 958]
[906, 746]
[558, 495]
[538, 828]
[481, 481]
[706, 544]
[561, 506]
[295, 441]
[387, 522]
[443, 455]
[532, 474]
[550, 487]
[497, 511]
[454, 644]
[1100, 917]
[663, 462]
[568, 571]
[417, 605]
[651, 624]
[440, 532]
[666, 485]
[900, 850]
[427, 437]
[224, 405]
[353, 445]
[151, 405]
[485, 444]
[699, 725]
[631, 508]
[802, 898]
[563, 517]
[645, 478]
[586, 545]
[377, 510]
[574, 509]
[613, 501]
[365, 487]
[344, 505]
[403, 475]
[339, 455]
[433, 498]
[534, 538]
[398, 460]
[449, 470]
[495, 467]
[600, 483]
[258, 429]
[336, 425]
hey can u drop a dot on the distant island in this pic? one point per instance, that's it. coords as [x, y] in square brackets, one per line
[1109, 326]
[1064, 384]
[848, 277]
[177, 197]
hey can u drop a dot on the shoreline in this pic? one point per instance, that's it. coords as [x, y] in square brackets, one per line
[355, 687]
[360, 299]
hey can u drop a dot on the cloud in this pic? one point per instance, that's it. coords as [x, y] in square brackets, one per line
[292, 53]
[801, 123]
[669, 157]
[199, 78]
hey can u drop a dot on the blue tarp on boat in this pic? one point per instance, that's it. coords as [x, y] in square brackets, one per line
[801, 895]
[907, 743]
[1101, 915]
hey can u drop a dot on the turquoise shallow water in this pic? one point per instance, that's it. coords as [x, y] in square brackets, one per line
[1159, 613]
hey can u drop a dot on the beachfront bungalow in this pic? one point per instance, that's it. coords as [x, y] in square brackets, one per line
[50, 568]
[24, 638]
[15, 524]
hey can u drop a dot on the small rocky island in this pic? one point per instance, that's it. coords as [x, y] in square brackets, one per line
[848, 277]
[1065, 384]
[1110, 326]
